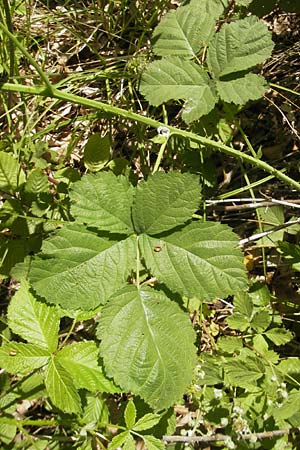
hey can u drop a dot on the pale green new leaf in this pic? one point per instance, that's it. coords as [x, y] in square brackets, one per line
[130, 414]
[279, 336]
[19, 358]
[147, 345]
[95, 410]
[146, 422]
[103, 200]
[80, 270]
[239, 46]
[11, 174]
[118, 440]
[34, 321]
[165, 201]
[152, 443]
[171, 79]
[200, 260]
[240, 90]
[80, 359]
[61, 388]
[184, 32]
[129, 444]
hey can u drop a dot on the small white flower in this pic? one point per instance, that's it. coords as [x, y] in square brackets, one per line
[238, 410]
[163, 131]
[229, 442]
[274, 378]
[224, 422]
[253, 439]
[201, 374]
[218, 393]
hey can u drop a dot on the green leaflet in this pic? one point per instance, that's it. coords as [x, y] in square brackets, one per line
[146, 422]
[152, 443]
[11, 174]
[201, 260]
[118, 440]
[97, 152]
[243, 372]
[186, 30]
[96, 409]
[32, 320]
[240, 90]
[279, 336]
[130, 414]
[239, 46]
[165, 201]
[168, 79]
[61, 388]
[80, 360]
[147, 345]
[104, 201]
[19, 358]
[80, 270]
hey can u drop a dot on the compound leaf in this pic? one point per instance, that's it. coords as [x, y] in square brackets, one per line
[19, 358]
[184, 32]
[80, 270]
[173, 79]
[147, 345]
[11, 174]
[165, 201]
[61, 388]
[200, 260]
[103, 200]
[81, 361]
[34, 321]
[239, 46]
[240, 90]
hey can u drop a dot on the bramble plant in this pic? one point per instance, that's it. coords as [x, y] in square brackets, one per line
[201, 65]
[128, 300]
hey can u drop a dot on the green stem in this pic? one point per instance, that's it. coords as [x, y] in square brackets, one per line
[32, 61]
[160, 156]
[100, 106]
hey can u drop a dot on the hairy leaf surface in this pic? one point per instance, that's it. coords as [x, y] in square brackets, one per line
[19, 358]
[147, 345]
[240, 90]
[104, 201]
[165, 201]
[239, 46]
[183, 32]
[169, 79]
[80, 360]
[80, 270]
[61, 388]
[32, 320]
[200, 260]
